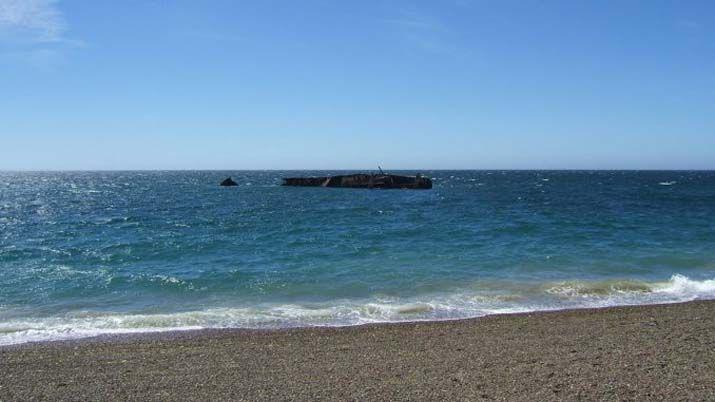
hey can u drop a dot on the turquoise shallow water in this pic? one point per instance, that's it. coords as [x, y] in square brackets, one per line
[109, 252]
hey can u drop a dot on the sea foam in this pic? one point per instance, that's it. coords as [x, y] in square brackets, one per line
[435, 306]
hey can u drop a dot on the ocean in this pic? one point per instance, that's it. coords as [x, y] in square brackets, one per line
[88, 253]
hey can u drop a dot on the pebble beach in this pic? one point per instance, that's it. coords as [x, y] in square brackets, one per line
[655, 352]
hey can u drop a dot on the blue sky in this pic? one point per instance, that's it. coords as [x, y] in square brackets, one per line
[336, 84]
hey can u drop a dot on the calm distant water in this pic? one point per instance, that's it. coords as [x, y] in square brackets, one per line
[89, 253]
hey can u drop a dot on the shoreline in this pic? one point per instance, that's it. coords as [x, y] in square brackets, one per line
[664, 351]
[191, 333]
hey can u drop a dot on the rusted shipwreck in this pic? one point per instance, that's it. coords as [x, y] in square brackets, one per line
[360, 180]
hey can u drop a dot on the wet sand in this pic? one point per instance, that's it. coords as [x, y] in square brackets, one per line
[664, 352]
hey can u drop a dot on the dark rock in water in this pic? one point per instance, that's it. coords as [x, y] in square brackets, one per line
[386, 181]
[228, 182]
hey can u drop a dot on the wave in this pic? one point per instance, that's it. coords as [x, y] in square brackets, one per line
[436, 306]
[586, 289]
[682, 285]
[678, 285]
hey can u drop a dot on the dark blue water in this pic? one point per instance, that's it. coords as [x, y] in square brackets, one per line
[93, 252]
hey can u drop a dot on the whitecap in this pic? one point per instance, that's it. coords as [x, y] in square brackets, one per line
[476, 300]
[681, 285]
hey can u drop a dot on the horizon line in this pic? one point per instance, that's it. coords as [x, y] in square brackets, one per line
[357, 169]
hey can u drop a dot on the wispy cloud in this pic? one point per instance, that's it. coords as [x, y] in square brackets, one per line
[209, 36]
[34, 33]
[415, 21]
[688, 24]
[422, 30]
[32, 20]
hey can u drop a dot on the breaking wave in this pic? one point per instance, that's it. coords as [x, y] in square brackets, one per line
[677, 286]
[474, 302]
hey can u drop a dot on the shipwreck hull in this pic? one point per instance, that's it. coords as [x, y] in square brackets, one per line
[385, 181]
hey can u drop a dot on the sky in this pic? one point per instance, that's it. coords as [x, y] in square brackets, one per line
[324, 84]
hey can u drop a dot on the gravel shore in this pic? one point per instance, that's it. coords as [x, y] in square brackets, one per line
[664, 352]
